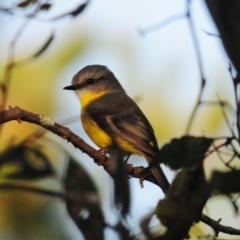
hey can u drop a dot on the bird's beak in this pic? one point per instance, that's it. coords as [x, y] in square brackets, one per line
[72, 87]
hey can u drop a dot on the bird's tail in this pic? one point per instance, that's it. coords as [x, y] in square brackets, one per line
[160, 178]
[158, 175]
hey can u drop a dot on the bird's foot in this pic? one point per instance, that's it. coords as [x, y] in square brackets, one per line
[127, 158]
[103, 151]
[141, 182]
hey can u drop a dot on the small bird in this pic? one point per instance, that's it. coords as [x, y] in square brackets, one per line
[108, 114]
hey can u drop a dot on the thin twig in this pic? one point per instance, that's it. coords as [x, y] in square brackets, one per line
[211, 34]
[221, 103]
[161, 24]
[236, 90]
[216, 148]
[218, 227]
[226, 104]
[49, 193]
[19, 114]
[221, 159]
[11, 61]
[138, 172]
[4, 88]
[198, 56]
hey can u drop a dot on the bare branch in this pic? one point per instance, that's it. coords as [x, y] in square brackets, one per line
[161, 24]
[137, 172]
[19, 114]
[198, 55]
[49, 193]
[218, 227]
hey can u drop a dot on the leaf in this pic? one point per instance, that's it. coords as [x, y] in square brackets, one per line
[26, 3]
[184, 152]
[79, 9]
[227, 182]
[45, 6]
[117, 169]
[26, 162]
[44, 46]
[183, 204]
[123, 231]
[83, 203]
[144, 224]
[225, 14]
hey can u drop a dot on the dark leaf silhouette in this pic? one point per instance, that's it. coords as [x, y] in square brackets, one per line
[226, 182]
[26, 162]
[83, 202]
[184, 152]
[233, 200]
[26, 3]
[123, 231]
[183, 204]
[46, 6]
[79, 9]
[144, 224]
[44, 46]
[226, 17]
[117, 169]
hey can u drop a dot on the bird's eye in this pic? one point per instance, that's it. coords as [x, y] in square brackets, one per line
[90, 81]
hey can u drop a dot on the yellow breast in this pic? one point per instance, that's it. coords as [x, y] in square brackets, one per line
[97, 135]
[101, 138]
[87, 97]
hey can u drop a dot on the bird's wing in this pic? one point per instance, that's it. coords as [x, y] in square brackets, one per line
[120, 117]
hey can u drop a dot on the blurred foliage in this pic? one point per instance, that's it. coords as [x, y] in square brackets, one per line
[25, 211]
[26, 215]
[184, 152]
[42, 186]
[83, 202]
[29, 94]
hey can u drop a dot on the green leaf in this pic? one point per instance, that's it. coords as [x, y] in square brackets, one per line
[184, 152]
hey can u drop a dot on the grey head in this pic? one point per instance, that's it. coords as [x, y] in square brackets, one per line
[95, 78]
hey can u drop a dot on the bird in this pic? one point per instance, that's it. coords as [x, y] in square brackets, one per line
[109, 115]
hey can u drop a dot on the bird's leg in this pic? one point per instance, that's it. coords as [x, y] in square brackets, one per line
[103, 151]
[128, 156]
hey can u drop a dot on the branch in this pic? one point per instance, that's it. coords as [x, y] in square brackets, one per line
[46, 192]
[4, 86]
[49, 193]
[163, 23]
[218, 227]
[19, 114]
[199, 62]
